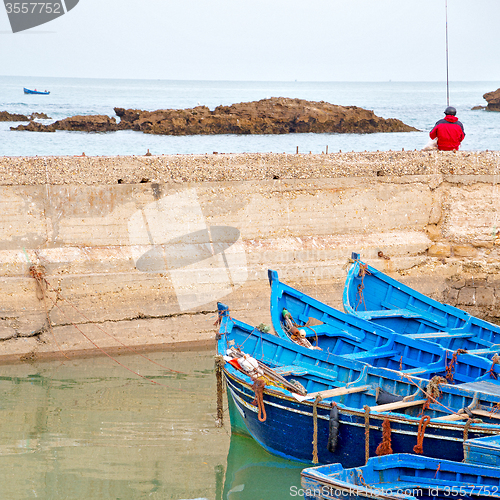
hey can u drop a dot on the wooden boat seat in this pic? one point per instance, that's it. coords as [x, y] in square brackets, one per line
[398, 405]
[300, 370]
[339, 391]
[438, 335]
[484, 386]
[291, 370]
[453, 417]
[391, 311]
[371, 355]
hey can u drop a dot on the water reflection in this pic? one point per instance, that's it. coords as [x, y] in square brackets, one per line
[90, 429]
[254, 474]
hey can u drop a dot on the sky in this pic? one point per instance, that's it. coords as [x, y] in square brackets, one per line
[261, 40]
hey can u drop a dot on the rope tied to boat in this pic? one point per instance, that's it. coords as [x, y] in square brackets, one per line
[258, 387]
[450, 369]
[362, 479]
[419, 447]
[495, 361]
[466, 430]
[385, 446]
[437, 470]
[315, 429]
[363, 271]
[219, 364]
[432, 391]
[367, 432]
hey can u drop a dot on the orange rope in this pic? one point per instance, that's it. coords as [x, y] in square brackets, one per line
[450, 369]
[496, 361]
[437, 470]
[258, 387]
[419, 447]
[385, 446]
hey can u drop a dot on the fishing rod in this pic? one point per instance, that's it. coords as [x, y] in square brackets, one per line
[447, 73]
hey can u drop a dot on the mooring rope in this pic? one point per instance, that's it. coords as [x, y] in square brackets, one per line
[466, 430]
[315, 429]
[219, 364]
[363, 271]
[44, 278]
[367, 432]
[450, 369]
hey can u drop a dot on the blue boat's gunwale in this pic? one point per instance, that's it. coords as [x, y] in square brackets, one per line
[462, 330]
[351, 422]
[346, 335]
[281, 394]
[310, 360]
[391, 476]
[353, 273]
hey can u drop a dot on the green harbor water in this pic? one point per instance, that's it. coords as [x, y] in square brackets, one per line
[90, 428]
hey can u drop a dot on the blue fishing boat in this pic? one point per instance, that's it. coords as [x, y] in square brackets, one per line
[336, 332]
[322, 408]
[38, 92]
[402, 477]
[372, 295]
[483, 451]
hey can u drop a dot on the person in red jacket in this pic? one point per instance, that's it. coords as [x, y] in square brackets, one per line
[449, 131]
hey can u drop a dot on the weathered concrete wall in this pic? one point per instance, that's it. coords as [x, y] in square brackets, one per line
[140, 249]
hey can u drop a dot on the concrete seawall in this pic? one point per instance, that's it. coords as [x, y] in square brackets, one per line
[136, 251]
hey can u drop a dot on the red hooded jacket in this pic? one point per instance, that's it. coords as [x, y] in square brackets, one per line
[449, 132]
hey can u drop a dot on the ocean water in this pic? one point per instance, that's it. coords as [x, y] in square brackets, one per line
[419, 104]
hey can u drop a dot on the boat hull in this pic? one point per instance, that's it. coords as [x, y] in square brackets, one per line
[288, 430]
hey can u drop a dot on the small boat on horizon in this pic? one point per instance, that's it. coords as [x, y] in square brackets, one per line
[39, 92]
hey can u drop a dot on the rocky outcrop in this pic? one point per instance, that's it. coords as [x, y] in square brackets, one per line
[35, 127]
[89, 123]
[277, 115]
[268, 116]
[493, 99]
[42, 116]
[5, 116]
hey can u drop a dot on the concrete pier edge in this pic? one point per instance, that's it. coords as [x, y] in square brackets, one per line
[138, 250]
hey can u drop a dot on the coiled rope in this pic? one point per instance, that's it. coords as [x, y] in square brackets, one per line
[385, 446]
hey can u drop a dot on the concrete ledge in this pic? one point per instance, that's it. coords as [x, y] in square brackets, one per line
[155, 242]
